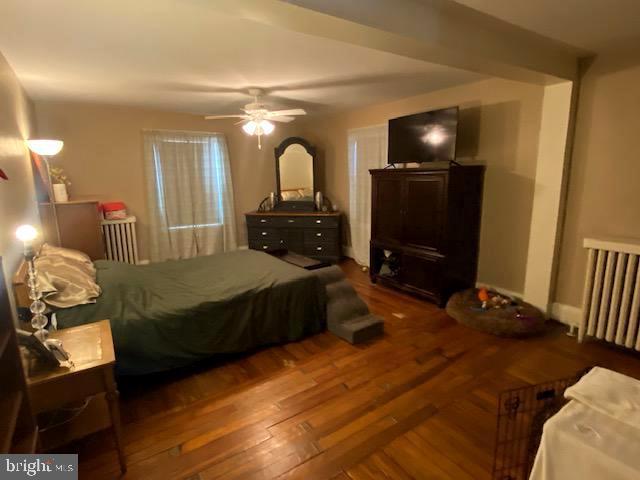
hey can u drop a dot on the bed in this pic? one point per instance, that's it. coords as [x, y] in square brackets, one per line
[171, 314]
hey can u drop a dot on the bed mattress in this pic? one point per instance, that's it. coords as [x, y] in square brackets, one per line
[170, 314]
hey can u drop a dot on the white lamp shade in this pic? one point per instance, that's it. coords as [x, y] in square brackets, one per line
[267, 127]
[26, 233]
[250, 127]
[45, 147]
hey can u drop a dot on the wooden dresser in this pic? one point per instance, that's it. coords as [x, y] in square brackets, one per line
[79, 222]
[313, 234]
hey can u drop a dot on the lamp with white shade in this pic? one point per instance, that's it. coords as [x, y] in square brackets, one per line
[46, 147]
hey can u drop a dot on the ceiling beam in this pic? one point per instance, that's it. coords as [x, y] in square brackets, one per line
[436, 31]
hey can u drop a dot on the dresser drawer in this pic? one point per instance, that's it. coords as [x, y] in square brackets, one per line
[264, 233]
[320, 235]
[321, 249]
[289, 222]
[264, 245]
[321, 221]
[260, 221]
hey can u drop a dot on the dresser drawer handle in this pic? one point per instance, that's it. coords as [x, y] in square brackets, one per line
[318, 221]
[262, 220]
[319, 234]
[319, 248]
[291, 221]
[264, 233]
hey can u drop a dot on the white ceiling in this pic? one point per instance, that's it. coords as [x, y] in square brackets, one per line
[184, 56]
[594, 26]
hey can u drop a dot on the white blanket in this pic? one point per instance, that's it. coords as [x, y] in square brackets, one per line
[596, 436]
[580, 443]
[609, 393]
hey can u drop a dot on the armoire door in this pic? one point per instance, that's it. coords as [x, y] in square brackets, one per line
[424, 213]
[386, 222]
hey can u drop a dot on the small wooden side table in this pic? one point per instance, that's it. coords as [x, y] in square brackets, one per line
[90, 349]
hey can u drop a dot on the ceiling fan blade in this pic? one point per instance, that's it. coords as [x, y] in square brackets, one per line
[217, 117]
[293, 111]
[282, 118]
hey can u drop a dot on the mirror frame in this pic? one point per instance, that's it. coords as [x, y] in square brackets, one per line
[294, 205]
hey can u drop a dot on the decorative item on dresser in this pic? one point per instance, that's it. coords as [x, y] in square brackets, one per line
[425, 229]
[313, 234]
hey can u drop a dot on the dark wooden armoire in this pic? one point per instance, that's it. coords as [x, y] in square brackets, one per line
[425, 229]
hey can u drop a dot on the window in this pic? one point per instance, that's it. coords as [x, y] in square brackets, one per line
[190, 194]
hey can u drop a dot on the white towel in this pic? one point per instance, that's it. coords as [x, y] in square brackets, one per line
[610, 393]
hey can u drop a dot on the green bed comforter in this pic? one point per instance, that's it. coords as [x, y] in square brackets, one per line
[170, 314]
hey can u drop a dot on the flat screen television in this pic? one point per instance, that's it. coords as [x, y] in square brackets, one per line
[424, 137]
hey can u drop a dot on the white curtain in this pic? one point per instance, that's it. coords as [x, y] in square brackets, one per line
[367, 149]
[190, 194]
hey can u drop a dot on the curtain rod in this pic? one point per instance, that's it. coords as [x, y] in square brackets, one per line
[180, 131]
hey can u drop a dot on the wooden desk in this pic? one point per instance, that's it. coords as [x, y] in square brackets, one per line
[90, 348]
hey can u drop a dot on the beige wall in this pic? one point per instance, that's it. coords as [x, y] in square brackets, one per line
[605, 168]
[499, 126]
[103, 154]
[17, 196]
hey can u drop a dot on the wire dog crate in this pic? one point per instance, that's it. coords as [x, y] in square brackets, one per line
[522, 413]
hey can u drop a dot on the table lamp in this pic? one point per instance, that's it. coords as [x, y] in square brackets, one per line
[27, 234]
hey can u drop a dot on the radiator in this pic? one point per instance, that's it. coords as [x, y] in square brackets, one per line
[611, 301]
[120, 240]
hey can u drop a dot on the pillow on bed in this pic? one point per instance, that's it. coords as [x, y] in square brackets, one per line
[76, 255]
[66, 282]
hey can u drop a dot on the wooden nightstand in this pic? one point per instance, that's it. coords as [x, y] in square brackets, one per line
[90, 348]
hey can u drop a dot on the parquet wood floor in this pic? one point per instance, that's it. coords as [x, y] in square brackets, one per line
[418, 403]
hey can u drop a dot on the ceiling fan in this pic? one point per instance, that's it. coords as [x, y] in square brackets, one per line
[257, 119]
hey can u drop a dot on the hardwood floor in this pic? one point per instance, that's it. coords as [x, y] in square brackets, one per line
[418, 403]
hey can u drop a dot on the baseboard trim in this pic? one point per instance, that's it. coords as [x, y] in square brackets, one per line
[567, 314]
[243, 247]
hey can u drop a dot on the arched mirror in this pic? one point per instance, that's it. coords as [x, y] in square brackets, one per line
[295, 167]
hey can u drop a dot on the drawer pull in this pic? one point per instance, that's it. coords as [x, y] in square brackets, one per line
[319, 234]
[319, 249]
[264, 233]
[291, 221]
[262, 220]
[318, 221]
[264, 247]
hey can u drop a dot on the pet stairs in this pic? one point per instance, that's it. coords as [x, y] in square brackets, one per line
[348, 316]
